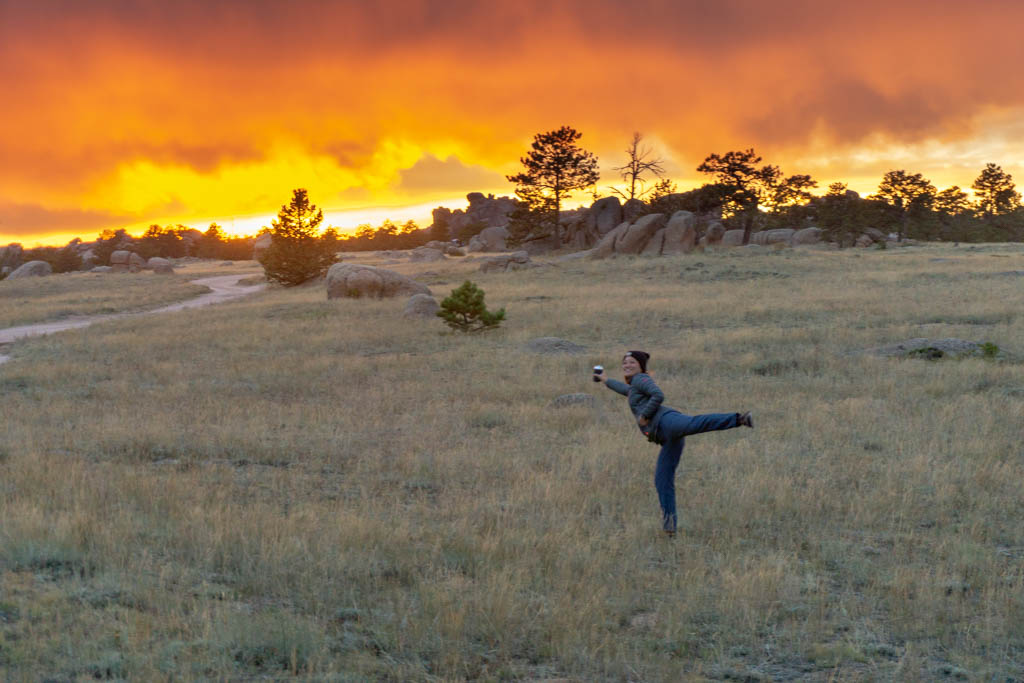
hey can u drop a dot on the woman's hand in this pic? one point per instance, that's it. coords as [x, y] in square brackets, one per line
[642, 421]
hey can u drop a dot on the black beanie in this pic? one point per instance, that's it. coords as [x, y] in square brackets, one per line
[641, 357]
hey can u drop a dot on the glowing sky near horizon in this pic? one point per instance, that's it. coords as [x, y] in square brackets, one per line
[123, 113]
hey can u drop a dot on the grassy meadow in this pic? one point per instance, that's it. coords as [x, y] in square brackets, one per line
[290, 486]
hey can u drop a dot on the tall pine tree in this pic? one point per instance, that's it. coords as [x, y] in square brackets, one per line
[554, 168]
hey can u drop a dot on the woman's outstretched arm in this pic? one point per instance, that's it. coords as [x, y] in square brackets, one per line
[616, 386]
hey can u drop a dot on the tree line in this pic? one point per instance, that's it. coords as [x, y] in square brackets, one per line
[389, 235]
[751, 195]
[171, 241]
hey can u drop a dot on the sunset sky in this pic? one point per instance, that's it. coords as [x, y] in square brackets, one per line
[126, 113]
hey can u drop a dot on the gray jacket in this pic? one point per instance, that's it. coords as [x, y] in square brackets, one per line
[644, 400]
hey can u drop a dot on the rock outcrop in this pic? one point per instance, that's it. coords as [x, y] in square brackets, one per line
[603, 216]
[651, 235]
[679, 236]
[633, 209]
[354, 281]
[487, 211]
[636, 236]
[489, 239]
[515, 260]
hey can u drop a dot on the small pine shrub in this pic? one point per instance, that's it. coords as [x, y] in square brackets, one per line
[296, 254]
[465, 311]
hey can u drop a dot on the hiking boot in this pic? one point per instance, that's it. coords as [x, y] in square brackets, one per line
[745, 420]
[668, 524]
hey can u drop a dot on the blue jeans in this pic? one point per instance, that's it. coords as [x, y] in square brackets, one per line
[672, 430]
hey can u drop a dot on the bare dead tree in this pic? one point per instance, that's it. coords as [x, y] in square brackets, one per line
[640, 163]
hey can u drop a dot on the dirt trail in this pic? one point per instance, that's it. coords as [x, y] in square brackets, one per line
[222, 288]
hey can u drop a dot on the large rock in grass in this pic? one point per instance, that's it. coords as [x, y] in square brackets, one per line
[426, 254]
[768, 237]
[119, 260]
[421, 306]
[732, 238]
[714, 234]
[875, 234]
[516, 260]
[123, 261]
[807, 236]
[160, 266]
[351, 280]
[31, 269]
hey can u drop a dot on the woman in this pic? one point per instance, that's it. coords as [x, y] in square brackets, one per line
[665, 426]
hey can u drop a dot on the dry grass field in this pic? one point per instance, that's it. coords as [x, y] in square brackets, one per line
[289, 486]
[69, 295]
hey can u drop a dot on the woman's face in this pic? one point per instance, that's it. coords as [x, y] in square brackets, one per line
[630, 366]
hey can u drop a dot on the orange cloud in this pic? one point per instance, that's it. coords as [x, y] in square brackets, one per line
[145, 112]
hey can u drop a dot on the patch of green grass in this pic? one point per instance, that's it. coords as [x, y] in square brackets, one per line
[989, 350]
[927, 353]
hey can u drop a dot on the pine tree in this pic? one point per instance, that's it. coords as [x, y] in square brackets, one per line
[296, 254]
[465, 311]
[997, 195]
[554, 168]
